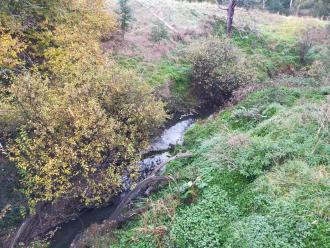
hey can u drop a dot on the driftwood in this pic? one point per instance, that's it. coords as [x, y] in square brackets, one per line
[117, 217]
[160, 168]
[162, 165]
[101, 229]
[146, 184]
[23, 231]
[134, 193]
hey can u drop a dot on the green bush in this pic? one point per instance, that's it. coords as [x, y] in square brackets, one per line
[71, 130]
[218, 67]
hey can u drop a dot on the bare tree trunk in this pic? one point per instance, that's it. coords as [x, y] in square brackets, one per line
[298, 8]
[263, 4]
[291, 4]
[230, 16]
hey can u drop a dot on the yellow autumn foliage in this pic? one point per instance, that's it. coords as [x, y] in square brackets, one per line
[52, 35]
[76, 39]
[80, 139]
[9, 49]
[81, 119]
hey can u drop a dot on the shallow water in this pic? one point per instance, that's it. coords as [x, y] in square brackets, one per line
[170, 137]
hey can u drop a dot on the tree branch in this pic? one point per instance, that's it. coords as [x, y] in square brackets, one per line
[161, 166]
[135, 192]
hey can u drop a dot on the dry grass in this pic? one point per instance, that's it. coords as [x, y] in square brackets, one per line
[192, 20]
[153, 219]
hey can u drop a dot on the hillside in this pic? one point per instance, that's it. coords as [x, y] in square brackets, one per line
[259, 175]
[193, 20]
[161, 130]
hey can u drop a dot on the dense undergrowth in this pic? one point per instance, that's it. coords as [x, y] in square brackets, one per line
[259, 178]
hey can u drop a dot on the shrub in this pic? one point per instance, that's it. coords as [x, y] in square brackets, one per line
[62, 33]
[158, 33]
[75, 122]
[218, 67]
[80, 138]
[249, 156]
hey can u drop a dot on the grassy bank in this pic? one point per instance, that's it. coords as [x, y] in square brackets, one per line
[259, 174]
[275, 44]
[259, 178]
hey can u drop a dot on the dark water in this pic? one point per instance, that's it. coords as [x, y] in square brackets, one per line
[172, 136]
[67, 232]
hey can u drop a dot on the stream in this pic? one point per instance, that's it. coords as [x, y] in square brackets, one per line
[157, 153]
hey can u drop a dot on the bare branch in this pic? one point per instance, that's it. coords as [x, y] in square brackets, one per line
[2, 150]
[161, 166]
[159, 18]
[134, 193]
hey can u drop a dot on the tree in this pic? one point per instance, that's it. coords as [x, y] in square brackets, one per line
[319, 8]
[81, 138]
[72, 122]
[264, 4]
[125, 15]
[230, 16]
[280, 6]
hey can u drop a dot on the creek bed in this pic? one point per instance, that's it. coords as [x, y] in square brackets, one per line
[155, 155]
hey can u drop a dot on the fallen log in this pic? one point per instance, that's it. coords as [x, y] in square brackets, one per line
[135, 192]
[23, 230]
[117, 217]
[162, 165]
[103, 228]
[148, 183]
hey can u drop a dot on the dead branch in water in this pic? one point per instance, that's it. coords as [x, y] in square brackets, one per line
[162, 165]
[160, 168]
[23, 230]
[147, 183]
[134, 193]
[117, 217]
